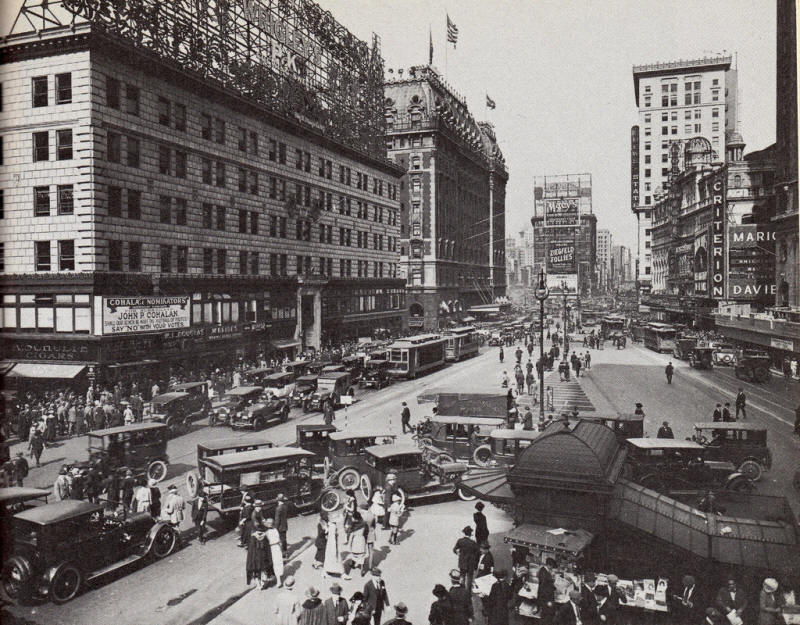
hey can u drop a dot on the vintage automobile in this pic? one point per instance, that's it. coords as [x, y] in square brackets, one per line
[452, 438]
[14, 499]
[752, 365]
[140, 447]
[503, 447]
[334, 368]
[257, 414]
[296, 367]
[279, 385]
[304, 388]
[255, 377]
[178, 408]
[220, 446]
[264, 474]
[344, 462]
[742, 443]
[683, 347]
[354, 365]
[381, 353]
[701, 357]
[665, 464]
[316, 366]
[496, 340]
[234, 400]
[314, 437]
[724, 355]
[59, 547]
[376, 374]
[416, 476]
[331, 386]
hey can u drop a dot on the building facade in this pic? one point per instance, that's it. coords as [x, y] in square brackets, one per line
[162, 206]
[604, 245]
[452, 199]
[676, 101]
[583, 242]
[620, 267]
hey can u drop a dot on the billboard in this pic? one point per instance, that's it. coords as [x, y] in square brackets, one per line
[129, 315]
[751, 263]
[634, 166]
[561, 257]
[561, 212]
[718, 227]
[555, 281]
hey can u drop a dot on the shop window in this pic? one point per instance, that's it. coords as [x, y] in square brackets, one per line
[166, 258]
[115, 255]
[182, 259]
[222, 260]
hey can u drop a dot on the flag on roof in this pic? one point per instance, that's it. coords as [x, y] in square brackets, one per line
[490, 103]
[452, 32]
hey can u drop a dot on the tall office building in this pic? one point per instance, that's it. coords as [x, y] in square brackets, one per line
[677, 100]
[603, 258]
[528, 246]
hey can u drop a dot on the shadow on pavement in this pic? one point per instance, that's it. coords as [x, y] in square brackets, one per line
[214, 612]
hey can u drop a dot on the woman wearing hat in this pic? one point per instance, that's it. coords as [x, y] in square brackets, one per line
[312, 610]
[441, 612]
[395, 513]
[142, 498]
[321, 541]
[769, 603]
[350, 506]
[257, 562]
[274, 539]
[333, 563]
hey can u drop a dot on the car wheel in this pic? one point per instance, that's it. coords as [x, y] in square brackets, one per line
[66, 583]
[348, 479]
[192, 484]
[157, 470]
[444, 458]
[482, 455]
[17, 575]
[330, 501]
[752, 470]
[464, 495]
[366, 487]
[163, 542]
[425, 441]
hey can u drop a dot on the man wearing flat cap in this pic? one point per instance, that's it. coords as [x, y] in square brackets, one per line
[467, 551]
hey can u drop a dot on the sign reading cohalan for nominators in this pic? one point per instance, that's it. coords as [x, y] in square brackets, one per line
[127, 315]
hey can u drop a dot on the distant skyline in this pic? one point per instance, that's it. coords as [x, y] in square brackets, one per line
[560, 75]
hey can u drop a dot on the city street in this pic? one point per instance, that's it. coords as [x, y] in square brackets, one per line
[202, 584]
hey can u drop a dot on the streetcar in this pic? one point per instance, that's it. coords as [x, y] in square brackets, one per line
[462, 342]
[413, 355]
[611, 324]
[660, 337]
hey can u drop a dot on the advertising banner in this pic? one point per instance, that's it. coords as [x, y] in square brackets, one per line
[561, 212]
[751, 263]
[751, 235]
[130, 315]
[561, 257]
[555, 280]
[718, 227]
[634, 166]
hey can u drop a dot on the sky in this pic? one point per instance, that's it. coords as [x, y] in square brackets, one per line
[560, 74]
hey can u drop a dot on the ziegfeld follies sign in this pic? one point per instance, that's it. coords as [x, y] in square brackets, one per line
[128, 315]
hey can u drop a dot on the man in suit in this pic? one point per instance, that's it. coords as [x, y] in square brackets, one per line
[588, 601]
[726, 413]
[336, 608]
[615, 596]
[400, 613]
[604, 611]
[731, 599]
[712, 617]
[546, 595]
[717, 416]
[570, 612]
[485, 561]
[282, 521]
[741, 404]
[375, 595]
[467, 551]
[686, 604]
[499, 600]
[461, 599]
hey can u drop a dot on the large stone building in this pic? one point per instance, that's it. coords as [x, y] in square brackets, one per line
[604, 245]
[171, 192]
[676, 101]
[452, 199]
[621, 270]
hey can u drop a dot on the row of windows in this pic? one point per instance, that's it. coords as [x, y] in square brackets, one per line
[46, 313]
[41, 145]
[43, 259]
[40, 90]
[687, 114]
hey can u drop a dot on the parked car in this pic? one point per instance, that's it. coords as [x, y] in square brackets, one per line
[304, 388]
[665, 464]
[280, 384]
[416, 476]
[496, 340]
[701, 357]
[503, 447]
[180, 407]
[233, 401]
[724, 355]
[683, 347]
[257, 414]
[742, 443]
[314, 437]
[255, 377]
[354, 365]
[139, 447]
[59, 547]
[220, 446]
[752, 365]
[14, 499]
[451, 438]
[344, 462]
[263, 474]
[331, 386]
[376, 374]
[296, 367]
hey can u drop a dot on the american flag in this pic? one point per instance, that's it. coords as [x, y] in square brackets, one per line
[452, 32]
[490, 103]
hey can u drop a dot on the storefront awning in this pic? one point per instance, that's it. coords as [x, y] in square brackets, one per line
[488, 484]
[135, 363]
[49, 370]
[285, 344]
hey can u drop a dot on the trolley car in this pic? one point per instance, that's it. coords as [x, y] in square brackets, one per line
[611, 324]
[462, 342]
[660, 337]
[414, 355]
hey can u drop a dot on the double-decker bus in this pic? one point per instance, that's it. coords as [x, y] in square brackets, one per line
[413, 355]
[462, 342]
[660, 337]
[611, 324]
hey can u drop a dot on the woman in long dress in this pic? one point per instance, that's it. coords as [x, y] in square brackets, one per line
[333, 564]
[257, 557]
[321, 541]
[276, 551]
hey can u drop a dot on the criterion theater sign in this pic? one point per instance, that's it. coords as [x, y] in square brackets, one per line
[718, 227]
[128, 315]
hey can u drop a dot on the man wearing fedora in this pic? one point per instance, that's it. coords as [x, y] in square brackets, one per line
[460, 598]
[282, 521]
[375, 595]
[287, 606]
[336, 608]
[312, 611]
[400, 612]
[467, 551]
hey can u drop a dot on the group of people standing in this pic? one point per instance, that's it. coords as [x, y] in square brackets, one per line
[264, 538]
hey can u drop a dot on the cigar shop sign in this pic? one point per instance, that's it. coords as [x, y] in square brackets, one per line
[130, 315]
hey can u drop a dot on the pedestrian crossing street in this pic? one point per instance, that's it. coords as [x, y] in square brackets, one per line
[566, 396]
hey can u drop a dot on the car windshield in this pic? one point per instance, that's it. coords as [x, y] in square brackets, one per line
[275, 383]
[326, 385]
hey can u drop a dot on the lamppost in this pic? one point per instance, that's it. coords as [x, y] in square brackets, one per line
[541, 293]
[566, 317]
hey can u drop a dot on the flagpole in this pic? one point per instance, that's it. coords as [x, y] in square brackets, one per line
[446, 45]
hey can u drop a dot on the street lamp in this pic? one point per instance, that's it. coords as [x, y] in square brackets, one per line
[566, 317]
[541, 293]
